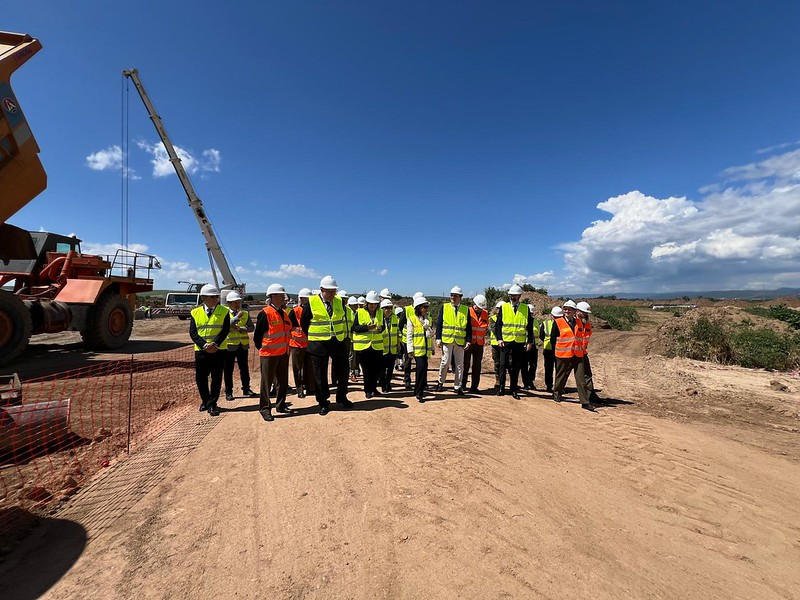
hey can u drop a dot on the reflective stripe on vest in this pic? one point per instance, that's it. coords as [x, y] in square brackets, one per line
[390, 335]
[480, 325]
[492, 338]
[238, 337]
[569, 342]
[324, 326]
[299, 339]
[548, 329]
[454, 324]
[209, 327]
[515, 323]
[277, 335]
[422, 344]
[587, 333]
[368, 339]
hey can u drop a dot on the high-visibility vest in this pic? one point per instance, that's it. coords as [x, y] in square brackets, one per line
[515, 324]
[454, 324]
[480, 324]
[422, 345]
[278, 333]
[299, 339]
[349, 317]
[324, 326]
[368, 339]
[536, 341]
[548, 329]
[238, 337]
[569, 342]
[390, 335]
[209, 327]
[492, 338]
[587, 333]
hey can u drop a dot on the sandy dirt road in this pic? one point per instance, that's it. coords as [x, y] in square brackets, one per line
[676, 495]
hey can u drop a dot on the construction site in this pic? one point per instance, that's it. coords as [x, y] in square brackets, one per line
[685, 483]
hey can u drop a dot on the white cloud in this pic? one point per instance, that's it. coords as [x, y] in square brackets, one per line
[536, 279]
[209, 160]
[785, 165]
[110, 159]
[382, 272]
[110, 249]
[777, 147]
[292, 270]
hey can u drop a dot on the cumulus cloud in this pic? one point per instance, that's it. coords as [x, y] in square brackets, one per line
[109, 159]
[110, 249]
[291, 270]
[731, 236]
[209, 160]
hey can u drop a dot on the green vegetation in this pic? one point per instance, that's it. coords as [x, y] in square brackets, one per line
[527, 287]
[618, 317]
[780, 312]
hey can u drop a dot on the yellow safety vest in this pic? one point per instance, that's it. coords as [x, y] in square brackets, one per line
[368, 339]
[492, 323]
[238, 337]
[454, 324]
[515, 324]
[209, 327]
[349, 317]
[548, 329]
[390, 335]
[536, 341]
[422, 345]
[323, 326]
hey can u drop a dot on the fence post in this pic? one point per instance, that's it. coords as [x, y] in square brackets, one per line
[130, 404]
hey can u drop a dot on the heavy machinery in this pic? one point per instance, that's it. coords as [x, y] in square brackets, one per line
[215, 254]
[182, 303]
[46, 284]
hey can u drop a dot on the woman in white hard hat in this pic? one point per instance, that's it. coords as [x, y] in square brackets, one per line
[208, 329]
[391, 343]
[238, 346]
[350, 313]
[419, 344]
[367, 331]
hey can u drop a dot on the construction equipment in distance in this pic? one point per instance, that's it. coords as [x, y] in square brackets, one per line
[53, 286]
[215, 254]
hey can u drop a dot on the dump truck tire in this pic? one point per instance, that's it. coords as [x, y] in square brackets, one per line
[109, 324]
[15, 327]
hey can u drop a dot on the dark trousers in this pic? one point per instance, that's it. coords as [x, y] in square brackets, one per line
[334, 352]
[472, 355]
[529, 364]
[511, 357]
[407, 360]
[549, 367]
[496, 355]
[420, 375]
[273, 368]
[565, 366]
[233, 356]
[587, 371]
[371, 362]
[301, 369]
[205, 364]
[387, 372]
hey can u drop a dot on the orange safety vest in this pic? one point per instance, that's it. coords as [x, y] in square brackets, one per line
[480, 325]
[569, 343]
[276, 338]
[587, 333]
[299, 339]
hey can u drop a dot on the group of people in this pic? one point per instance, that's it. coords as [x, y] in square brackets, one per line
[370, 336]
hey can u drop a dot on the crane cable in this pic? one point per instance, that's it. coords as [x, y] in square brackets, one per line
[124, 147]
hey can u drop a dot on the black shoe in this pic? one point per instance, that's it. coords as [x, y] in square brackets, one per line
[284, 410]
[228, 397]
[474, 390]
[324, 409]
[345, 403]
[501, 392]
[557, 398]
[248, 393]
[203, 408]
[301, 394]
[407, 386]
[439, 387]
[267, 416]
[549, 390]
[588, 407]
[421, 399]
[368, 395]
[377, 393]
[460, 392]
[213, 410]
[515, 395]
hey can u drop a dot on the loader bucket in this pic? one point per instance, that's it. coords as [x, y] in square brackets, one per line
[32, 428]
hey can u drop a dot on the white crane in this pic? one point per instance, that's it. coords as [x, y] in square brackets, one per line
[215, 253]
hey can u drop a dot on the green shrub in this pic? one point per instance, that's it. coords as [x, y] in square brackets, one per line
[618, 317]
[780, 312]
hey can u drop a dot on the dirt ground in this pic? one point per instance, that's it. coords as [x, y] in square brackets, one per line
[686, 486]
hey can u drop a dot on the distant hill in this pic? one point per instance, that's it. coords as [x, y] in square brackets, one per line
[720, 295]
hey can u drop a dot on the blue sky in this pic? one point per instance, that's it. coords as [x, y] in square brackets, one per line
[585, 146]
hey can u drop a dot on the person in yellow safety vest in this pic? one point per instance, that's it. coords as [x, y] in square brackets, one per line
[408, 311]
[298, 344]
[479, 318]
[323, 321]
[514, 331]
[532, 355]
[494, 344]
[419, 344]
[584, 312]
[208, 329]
[453, 337]
[567, 339]
[350, 315]
[548, 350]
[368, 342]
[238, 346]
[391, 343]
[348, 323]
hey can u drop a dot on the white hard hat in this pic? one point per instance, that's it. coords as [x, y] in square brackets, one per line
[209, 290]
[584, 307]
[362, 300]
[328, 282]
[398, 310]
[514, 290]
[373, 298]
[341, 294]
[480, 301]
[418, 295]
[233, 297]
[569, 304]
[420, 300]
[557, 312]
[352, 300]
[386, 303]
[315, 292]
[304, 293]
[499, 304]
[457, 290]
[275, 288]
[385, 293]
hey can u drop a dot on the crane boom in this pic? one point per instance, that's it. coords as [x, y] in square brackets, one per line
[215, 253]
